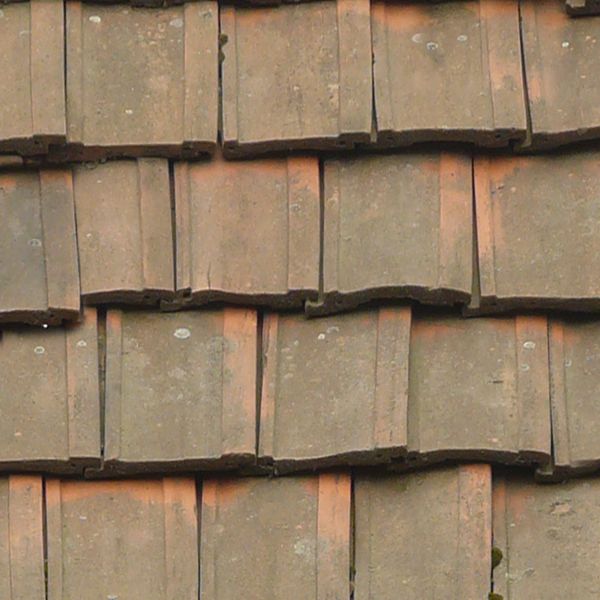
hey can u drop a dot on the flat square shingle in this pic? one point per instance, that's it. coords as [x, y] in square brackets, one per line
[32, 98]
[49, 397]
[424, 535]
[479, 388]
[180, 389]
[248, 231]
[38, 247]
[307, 66]
[124, 231]
[334, 389]
[163, 97]
[538, 231]
[122, 539]
[21, 538]
[397, 226]
[276, 539]
[448, 71]
[561, 63]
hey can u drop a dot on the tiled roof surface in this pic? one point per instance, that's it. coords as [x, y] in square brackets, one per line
[299, 300]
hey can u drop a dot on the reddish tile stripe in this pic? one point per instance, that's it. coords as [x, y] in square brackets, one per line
[269, 386]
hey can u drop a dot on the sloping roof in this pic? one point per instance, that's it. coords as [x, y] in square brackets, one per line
[299, 300]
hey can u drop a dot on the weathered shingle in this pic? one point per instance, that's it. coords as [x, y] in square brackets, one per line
[448, 71]
[561, 63]
[180, 389]
[424, 535]
[38, 248]
[32, 98]
[49, 397]
[306, 66]
[397, 226]
[248, 231]
[122, 539]
[21, 539]
[276, 539]
[124, 231]
[538, 231]
[334, 389]
[163, 97]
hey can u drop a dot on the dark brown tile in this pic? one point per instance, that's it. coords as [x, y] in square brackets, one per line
[180, 390]
[163, 97]
[424, 535]
[124, 231]
[248, 231]
[38, 246]
[334, 389]
[583, 7]
[305, 67]
[49, 397]
[397, 226]
[448, 71]
[122, 539]
[276, 539]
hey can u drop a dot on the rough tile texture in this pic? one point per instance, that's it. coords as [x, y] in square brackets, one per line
[308, 416]
[180, 389]
[248, 231]
[448, 71]
[583, 7]
[21, 539]
[32, 98]
[49, 397]
[38, 248]
[524, 207]
[397, 227]
[562, 63]
[276, 539]
[129, 258]
[129, 539]
[169, 54]
[478, 388]
[306, 66]
[549, 537]
[425, 535]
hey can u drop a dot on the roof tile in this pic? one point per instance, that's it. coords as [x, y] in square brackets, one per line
[180, 390]
[129, 258]
[424, 535]
[310, 418]
[448, 71]
[307, 66]
[38, 269]
[50, 397]
[298, 529]
[248, 231]
[172, 55]
[122, 539]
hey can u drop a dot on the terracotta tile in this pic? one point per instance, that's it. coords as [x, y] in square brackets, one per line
[424, 535]
[276, 539]
[307, 66]
[397, 227]
[129, 258]
[561, 55]
[334, 389]
[49, 397]
[548, 537]
[39, 273]
[524, 206]
[141, 3]
[478, 389]
[170, 54]
[583, 7]
[248, 231]
[32, 107]
[21, 538]
[180, 390]
[448, 71]
[122, 539]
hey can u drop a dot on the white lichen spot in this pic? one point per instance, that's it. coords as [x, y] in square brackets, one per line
[321, 336]
[462, 38]
[524, 367]
[565, 44]
[112, 597]
[1, 13]
[81, 344]
[333, 329]
[432, 46]
[178, 22]
[568, 362]
[417, 38]
[95, 19]
[182, 333]
[529, 345]
[45, 325]
[18, 434]
[39, 350]
[35, 242]
[128, 111]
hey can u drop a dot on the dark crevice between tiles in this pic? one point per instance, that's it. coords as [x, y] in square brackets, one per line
[529, 133]
[45, 536]
[352, 565]
[199, 530]
[476, 283]
[373, 96]
[173, 220]
[259, 379]
[102, 372]
[221, 57]
[321, 228]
